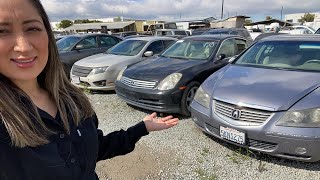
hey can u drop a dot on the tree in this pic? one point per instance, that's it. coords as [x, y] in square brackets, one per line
[117, 19]
[268, 17]
[82, 21]
[307, 17]
[247, 21]
[65, 23]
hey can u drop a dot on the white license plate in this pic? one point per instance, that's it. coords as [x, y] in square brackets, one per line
[232, 135]
[75, 79]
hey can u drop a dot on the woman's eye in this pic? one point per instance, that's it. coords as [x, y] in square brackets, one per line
[34, 29]
[2, 31]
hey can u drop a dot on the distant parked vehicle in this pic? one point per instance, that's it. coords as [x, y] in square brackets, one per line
[168, 83]
[74, 47]
[235, 31]
[124, 34]
[299, 29]
[267, 99]
[177, 33]
[99, 72]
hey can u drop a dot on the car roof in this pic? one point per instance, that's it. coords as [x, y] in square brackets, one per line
[291, 37]
[86, 34]
[226, 29]
[151, 38]
[211, 37]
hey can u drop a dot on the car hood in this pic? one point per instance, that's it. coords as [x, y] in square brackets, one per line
[268, 89]
[100, 60]
[158, 68]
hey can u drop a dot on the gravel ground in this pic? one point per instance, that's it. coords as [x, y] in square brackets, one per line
[184, 152]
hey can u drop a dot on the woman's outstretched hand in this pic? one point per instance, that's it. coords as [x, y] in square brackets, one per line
[157, 124]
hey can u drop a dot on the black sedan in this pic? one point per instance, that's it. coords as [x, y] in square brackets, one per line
[75, 47]
[168, 83]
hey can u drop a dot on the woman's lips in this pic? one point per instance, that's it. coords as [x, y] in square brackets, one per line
[24, 62]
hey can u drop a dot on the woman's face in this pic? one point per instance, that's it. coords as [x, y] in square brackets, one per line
[23, 41]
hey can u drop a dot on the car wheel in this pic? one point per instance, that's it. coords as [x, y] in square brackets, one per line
[188, 96]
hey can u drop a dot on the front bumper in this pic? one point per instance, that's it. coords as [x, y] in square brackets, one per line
[98, 82]
[150, 99]
[300, 144]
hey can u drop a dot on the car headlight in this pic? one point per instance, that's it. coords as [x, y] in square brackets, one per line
[202, 98]
[98, 70]
[170, 81]
[303, 118]
[120, 73]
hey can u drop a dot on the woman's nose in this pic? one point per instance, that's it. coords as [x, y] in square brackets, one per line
[22, 44]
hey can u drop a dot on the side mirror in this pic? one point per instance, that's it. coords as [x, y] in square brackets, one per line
[148, 54]
[79, 46]
[221, 56]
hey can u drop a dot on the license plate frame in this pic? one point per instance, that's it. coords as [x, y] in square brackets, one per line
[75, 79]
[233, 135]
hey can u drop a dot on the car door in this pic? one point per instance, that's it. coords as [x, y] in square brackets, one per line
[84, 48]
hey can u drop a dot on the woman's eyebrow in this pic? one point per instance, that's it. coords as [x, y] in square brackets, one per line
[31, 21]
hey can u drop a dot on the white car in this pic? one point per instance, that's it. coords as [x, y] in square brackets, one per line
[100, 71]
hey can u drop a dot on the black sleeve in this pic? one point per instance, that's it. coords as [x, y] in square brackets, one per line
[119, 142]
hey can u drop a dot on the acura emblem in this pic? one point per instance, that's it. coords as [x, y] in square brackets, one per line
[236, 114]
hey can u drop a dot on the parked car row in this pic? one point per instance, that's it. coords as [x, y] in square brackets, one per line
[262, 96]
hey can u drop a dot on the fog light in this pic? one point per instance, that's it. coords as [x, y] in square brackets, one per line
[194, 119]
[301, 150]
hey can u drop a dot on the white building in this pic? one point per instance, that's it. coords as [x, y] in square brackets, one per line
[295, 17]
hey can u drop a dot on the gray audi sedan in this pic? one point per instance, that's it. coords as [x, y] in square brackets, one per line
[267, 99]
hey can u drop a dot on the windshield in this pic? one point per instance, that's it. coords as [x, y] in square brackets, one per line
[66, 43]
[191, 49]
[295, 55]
[128, 47]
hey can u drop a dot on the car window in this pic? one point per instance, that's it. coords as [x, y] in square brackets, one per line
[240, 45]
[227, 48]
[299, 55]
[191, 49]
[87, 43]
[156, 47]
[168, 43]
[127, 47]
[67, 43]
[180, 32]
[107, 41]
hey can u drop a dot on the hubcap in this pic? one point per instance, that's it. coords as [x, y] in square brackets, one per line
[190, 97]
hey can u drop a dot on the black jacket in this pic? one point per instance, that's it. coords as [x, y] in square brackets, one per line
[66, 157]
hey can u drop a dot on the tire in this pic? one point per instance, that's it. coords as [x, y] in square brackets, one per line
[188, 96]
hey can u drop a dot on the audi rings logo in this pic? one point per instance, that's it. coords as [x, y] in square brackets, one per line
[130, 82]
[236, 114]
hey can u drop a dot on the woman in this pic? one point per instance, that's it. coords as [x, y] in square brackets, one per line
[48, 129]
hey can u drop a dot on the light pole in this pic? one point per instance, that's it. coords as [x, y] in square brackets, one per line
[222, 9]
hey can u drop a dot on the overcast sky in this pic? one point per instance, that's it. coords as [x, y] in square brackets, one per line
[174, 9]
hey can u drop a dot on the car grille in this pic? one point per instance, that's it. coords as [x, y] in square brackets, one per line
[261, 145]
[138, 83]
[246, 114]
[81, 71]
